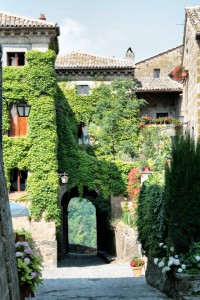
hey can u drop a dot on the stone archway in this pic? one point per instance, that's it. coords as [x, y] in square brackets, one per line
[105, 234]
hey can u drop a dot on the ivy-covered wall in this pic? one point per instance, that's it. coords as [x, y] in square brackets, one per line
[37, 152]
[51, 145]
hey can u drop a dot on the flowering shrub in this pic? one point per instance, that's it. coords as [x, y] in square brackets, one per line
[177, 73]
[183, 263]
[137, 262]
[133, 187]
[160, 120]
[29, 265]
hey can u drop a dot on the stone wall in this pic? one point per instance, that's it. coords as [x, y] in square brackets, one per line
[166, 62]
[9, 286]
[190, 109]
[44, 235]
[175, 285]
[126, 242]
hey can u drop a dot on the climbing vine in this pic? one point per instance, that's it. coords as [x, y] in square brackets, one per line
[51, 145]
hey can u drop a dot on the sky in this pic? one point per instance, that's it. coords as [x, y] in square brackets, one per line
[109, 27]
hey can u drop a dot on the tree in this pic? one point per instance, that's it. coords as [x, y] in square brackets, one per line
[116, 117]
[182, 194]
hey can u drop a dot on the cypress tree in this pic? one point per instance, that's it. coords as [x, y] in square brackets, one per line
[182, 194]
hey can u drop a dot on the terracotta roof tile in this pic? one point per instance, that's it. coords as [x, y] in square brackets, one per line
[164, 84]
[8, 20]
[194, 15]
[82, 60]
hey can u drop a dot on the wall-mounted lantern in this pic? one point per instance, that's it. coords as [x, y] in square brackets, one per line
[64, 178]
[23, 109]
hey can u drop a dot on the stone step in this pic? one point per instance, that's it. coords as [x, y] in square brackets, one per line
[106, 256]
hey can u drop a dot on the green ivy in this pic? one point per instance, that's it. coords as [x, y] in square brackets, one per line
[51, 146]
[37, 152]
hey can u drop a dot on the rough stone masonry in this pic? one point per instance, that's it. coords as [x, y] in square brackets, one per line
[9, 287]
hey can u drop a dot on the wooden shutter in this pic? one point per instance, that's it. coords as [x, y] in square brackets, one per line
[18, 125]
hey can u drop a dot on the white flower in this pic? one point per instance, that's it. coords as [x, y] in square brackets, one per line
[183, 267]
[155, 261]
[165, 269]
[176, 256]
[161, 244]
[197, 258]
[176, 262]
[180, 270]
[161, 264]
[165, 246]
[172, 249]
[171, 261]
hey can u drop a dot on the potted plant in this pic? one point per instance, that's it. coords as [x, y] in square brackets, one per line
[179, 73]
[29, 266]
[137, 263]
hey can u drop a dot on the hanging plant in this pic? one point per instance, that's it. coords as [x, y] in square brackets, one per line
[179, 73]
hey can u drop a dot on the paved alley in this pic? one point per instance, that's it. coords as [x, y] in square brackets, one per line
[89, 278]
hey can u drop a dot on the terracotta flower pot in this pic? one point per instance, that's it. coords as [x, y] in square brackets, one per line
[137, 271]
[26, 291]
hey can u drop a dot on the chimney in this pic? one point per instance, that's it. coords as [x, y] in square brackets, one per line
[130, 54]
[42, 17]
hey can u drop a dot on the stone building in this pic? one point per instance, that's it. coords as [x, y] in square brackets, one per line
[85, 71]
[190, 109]
[162, 93]
[20, 34]
[17, 36]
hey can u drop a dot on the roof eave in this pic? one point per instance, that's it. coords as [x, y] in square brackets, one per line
[31, 27]
[161, 91]
[94, 68]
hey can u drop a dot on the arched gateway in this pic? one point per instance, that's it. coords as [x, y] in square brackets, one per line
[105, 233]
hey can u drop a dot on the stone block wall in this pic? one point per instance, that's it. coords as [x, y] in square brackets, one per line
[191, 91]
[126, 242]
[166, 62]
[44, 235]
[9, 285]
[175, 285]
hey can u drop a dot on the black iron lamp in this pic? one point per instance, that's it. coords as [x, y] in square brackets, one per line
[23, 109]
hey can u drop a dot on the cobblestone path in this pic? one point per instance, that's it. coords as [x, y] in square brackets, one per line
[87, 277]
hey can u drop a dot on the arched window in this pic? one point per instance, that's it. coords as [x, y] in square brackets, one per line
[18, 180]
[18, 125]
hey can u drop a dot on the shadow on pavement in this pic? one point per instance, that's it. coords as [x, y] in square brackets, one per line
[98, 288]
[80, 260]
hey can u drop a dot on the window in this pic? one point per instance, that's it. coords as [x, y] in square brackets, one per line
[83, 137]
[16, 59]
[161, 115]
[156, 73]
[18, 180]
[18, 125]
[83, 89]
